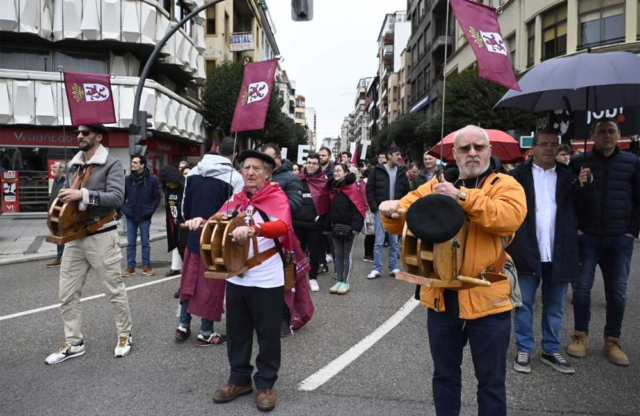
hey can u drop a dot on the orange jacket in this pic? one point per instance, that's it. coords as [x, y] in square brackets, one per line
[494, 210]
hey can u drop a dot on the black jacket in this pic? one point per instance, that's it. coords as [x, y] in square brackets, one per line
[378, 186]
[524, 248]
[141, 196]
[343, 210]
[307, 217]
[290, 184]
[58, 185]
[617, 181]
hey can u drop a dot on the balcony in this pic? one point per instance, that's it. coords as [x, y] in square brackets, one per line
[385, 96]
[387, 54]
[39, 99]
[437, 45]
[386, 73]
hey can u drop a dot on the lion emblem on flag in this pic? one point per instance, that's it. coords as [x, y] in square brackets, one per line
[255, 92]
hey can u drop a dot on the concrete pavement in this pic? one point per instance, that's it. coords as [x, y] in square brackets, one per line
[162, 376]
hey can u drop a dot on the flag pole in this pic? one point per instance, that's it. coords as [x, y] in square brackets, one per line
[444, 84]
[235, 138]
[64, 130]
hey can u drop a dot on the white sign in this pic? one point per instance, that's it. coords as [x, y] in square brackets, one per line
[352, 148]
[494, 42]
[240, 42]
[365, 146]
[257, 91]
[303, 151]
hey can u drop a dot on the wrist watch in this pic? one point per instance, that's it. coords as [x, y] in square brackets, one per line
[462, 195]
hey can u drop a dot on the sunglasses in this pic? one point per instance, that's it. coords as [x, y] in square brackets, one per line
[477, 147]
[85, 133]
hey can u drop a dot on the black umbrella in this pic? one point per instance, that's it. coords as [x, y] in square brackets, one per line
[587, 82]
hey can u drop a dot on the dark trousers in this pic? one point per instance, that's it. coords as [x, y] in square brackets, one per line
[60, 251]
[489, 341]
[369, 242]
[249, 309]
[328, 247]
[613, 254]
[312, 240]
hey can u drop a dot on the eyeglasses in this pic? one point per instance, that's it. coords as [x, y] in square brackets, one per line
[85, 133]
[477, 147]
[545, 144]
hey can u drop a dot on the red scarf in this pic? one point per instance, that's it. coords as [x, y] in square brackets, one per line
[353, 192]
[319, 188]
[274, 202]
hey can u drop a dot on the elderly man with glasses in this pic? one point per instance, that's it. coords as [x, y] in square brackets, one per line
[494, 206]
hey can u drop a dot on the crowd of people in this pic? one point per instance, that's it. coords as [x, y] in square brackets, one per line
[557, 217]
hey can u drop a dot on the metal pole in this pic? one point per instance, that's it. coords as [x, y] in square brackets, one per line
[156, 52]
[444, 83]
[64, 130]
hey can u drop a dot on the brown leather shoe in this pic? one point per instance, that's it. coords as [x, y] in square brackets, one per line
[579, 344]
[147, 270]
[230, 392]
[54, 263]
[266, 400]
[130, 271]
[614, 353]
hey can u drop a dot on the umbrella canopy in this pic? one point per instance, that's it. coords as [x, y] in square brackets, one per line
[587, 81]
[503, 146]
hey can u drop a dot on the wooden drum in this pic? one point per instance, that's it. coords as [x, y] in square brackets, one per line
[66, 222]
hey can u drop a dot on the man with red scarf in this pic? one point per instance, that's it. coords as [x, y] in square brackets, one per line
[308, 223]
[254, 299]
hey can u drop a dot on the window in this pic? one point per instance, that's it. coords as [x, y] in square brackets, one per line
[427, 77]
[75, 62]
[421, 45]
[511, 48]
[25, 59]
[420, 85]
[414, 54]
[601, 22]
[211, 64]
[531, 42]
[211, 20]
[421, 9]
[554, 32]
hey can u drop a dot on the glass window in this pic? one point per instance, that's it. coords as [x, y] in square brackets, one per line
[211, 20]
[211, 64]
[25, 59]
[421, 45]
[601, 22]
[420, 85]
[74, 62]
[511, 48]
[427, 77]
[531, 42]
[554, 32]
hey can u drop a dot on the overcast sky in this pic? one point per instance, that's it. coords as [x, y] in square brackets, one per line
[327, 56]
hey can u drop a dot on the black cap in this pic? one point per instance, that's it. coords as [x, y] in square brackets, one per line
[97, 128]
[246, 154]
[435, 218]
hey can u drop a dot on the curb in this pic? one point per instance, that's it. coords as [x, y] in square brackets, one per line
[38, 257]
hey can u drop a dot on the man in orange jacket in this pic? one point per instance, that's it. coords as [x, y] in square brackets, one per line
[494, 205]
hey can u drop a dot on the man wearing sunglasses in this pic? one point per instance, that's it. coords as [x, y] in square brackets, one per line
[99, 195]
[494, 205]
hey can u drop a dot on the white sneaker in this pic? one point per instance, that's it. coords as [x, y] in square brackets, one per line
[124, 346]
[329, 258]
[65, 352]
[373, 275]
[393, 272]
[313, 284]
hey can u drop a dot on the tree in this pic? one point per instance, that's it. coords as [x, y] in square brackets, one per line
[219, 100]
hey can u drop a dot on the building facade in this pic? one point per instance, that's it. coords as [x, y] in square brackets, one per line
[42, 37]
[361, 116]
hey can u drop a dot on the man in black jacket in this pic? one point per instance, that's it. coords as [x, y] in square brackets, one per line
[545, 249]
[386, 182]
[283, 174]
[607, 231]
[308, 225]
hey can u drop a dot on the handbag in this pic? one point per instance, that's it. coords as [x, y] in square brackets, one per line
[341, 231]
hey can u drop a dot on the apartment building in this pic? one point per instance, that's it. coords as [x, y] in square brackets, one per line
[116, 37]
[361, 117]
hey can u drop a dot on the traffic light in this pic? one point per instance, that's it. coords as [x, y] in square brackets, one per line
[302, 10]
[139, 133]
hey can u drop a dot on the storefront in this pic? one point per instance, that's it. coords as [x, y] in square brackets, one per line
[34, 154]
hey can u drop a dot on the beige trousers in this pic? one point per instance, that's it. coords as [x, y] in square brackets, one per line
[101, 253]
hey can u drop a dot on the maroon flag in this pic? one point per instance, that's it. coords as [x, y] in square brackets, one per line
[253, 100]
[90, 99]
[482, 30]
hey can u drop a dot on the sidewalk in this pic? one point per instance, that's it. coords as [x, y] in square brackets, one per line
[22, 236]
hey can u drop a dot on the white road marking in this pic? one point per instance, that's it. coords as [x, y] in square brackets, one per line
[334, 367]
[57, 305]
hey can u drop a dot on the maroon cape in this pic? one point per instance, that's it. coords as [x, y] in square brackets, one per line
[205, 296]
[355, 195]
[273, 201]
[319, 188]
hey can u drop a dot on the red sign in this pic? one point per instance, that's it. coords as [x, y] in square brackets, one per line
[194, 150]
[10, 191]
[90, 98]
[253, 100]
[482, 30]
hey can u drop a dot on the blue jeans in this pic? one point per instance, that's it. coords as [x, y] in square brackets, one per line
[552, 311]
[613, 254]
[132, 235]
[206, 326]
[489, 341]
[394, 247]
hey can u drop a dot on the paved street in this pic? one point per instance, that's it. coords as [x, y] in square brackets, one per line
[163, 377]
